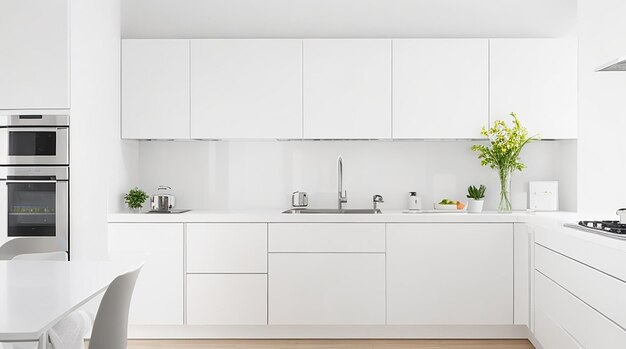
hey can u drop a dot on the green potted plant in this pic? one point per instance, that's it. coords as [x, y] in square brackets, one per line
[135, 198]
[475, 198]
[502, 154]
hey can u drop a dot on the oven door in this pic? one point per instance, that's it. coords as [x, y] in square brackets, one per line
[35, 208]
[34, 146]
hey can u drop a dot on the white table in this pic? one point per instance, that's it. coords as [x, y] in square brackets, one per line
[35, 295]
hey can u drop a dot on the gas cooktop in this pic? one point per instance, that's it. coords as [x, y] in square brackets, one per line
[614, 229]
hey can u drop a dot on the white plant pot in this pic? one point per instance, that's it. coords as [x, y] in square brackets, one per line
[475, 206]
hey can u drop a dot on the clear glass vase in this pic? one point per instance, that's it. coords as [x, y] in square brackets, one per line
[505, 191]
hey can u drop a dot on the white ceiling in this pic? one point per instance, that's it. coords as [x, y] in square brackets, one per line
[347, 18]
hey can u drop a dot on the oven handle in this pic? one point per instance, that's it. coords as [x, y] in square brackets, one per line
[36, 129]
[29, 181]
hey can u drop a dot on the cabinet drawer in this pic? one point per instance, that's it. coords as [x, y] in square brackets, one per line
[602, 292]
[327, 237]
[585, 325]
[550, 335]
[607, 259]
[327, 289]
[227, 299]
[226, 248]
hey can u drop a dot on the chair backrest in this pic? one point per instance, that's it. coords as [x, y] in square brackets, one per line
[44, 256]
[110, 329]
[20, 246]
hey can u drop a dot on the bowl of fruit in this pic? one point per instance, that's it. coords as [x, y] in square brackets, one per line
[450, 205]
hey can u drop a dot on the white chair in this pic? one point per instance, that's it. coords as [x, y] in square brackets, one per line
[21, 246]
[45, 256]
[110, 329]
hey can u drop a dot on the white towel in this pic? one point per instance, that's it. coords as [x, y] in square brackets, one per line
[69, 333]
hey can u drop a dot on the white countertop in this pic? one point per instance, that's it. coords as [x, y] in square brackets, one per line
[549, 220]
[275, 216]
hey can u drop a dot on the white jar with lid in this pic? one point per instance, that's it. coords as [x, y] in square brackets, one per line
[415, 203]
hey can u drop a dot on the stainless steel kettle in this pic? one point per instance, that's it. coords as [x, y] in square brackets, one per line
[163, 200]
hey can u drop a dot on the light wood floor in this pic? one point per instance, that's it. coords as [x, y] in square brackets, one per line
[328, 344]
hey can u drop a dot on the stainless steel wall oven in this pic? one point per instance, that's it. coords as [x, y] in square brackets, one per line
[35, 203]
[34, 140]
[34, 179]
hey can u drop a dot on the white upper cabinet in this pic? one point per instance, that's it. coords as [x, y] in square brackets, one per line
[347, 89]
[440, 88]
[34, 54]
[536, 79]
[155, 89]
[246, 89]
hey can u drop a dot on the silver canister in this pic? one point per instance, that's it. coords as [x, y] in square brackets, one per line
[163, 200]
[299, 199]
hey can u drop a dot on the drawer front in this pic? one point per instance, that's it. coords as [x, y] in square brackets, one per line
[226, 248]
[327, 289]
[608, 260]
[585, 325]
[227, 299]
[327, 237]
[550, 335]
[602, 292]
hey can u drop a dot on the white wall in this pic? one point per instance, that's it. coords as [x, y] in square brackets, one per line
[99, 160]
[602, 107]
[347, 18]
[240, 175]
[252, 175]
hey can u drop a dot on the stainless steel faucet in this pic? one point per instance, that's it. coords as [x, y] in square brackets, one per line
[342, 195]
[377, 199]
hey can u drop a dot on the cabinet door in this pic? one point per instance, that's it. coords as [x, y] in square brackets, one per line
[246, 89]
[449, 274]
[155, 89]
[158, 295]
[226, 248]
[440, 88]
[34, 59]
[226, 299]
[536, 79]
[326, 289]
[347, 89]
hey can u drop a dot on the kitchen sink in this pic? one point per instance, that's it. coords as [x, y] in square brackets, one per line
[332, 211]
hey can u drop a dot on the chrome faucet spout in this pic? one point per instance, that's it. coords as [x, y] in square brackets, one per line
[342, 196]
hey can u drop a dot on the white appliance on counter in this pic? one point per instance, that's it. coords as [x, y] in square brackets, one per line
[543, 195]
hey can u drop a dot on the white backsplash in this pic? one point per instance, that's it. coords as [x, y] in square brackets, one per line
[260, 175]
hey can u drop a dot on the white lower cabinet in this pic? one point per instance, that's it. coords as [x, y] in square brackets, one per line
[226, 273]
[226, 248]
[326, 289]
[450, 274]
[227, 299]
[158, 295]
[551, 335]
[577, 321]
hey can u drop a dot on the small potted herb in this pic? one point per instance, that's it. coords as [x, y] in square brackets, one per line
[135, 198]
[476, 198]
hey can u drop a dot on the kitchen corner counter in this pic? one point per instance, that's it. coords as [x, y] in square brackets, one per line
[390, 216]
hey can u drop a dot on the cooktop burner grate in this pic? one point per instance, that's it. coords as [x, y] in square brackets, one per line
[614, 227]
